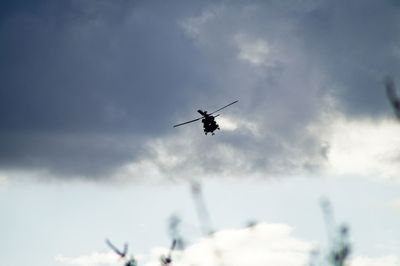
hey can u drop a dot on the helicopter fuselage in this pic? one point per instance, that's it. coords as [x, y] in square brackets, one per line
[209, 124]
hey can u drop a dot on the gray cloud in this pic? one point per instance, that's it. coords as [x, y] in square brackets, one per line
[356, 44]
[76, 75]
[90, 86]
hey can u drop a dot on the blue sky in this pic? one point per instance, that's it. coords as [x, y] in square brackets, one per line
[46, 220]
[90, 91]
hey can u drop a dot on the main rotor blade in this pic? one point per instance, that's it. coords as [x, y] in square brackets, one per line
[223, 107]
[188, 122]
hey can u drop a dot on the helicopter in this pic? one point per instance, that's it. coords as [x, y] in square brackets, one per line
[208, 120]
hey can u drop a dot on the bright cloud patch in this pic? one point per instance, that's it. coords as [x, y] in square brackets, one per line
[381, 261]
[3, 180]
[93, 259]
[333, 145]
[255, 52]
[227, 124]
[259, 245]
[194, 26]
[263, 244]
[396, 204]
[365, 147]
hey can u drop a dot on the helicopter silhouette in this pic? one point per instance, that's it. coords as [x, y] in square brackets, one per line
[208, 120]
[129, 262]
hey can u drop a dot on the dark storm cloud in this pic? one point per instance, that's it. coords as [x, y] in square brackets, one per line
[317, 56]
[91, 70]
[88, 86]
[84, 154]
[357, 43]
[78, 74]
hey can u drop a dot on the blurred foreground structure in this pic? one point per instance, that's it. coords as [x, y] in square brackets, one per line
[258, 244]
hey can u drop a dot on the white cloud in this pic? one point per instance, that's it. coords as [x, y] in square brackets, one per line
[395, 204]
[379, 261]
[3, 180]
[364, 147]
[259, 245]
[7, 176]
[294, 90]
[263, 244]
[95, 258]
[253, 51]
[334, 145]
[230, 123]
[227, 123]
[194, 26]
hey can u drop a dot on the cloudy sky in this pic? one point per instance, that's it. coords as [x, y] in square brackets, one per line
[90, 91]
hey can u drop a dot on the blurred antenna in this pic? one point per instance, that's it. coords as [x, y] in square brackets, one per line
[167, 260]
[314, 258]
[391, 93]
[328, 217]
[341, 248]
[204, 218]
[121, 254]
[174, 231]
[129, 262]
[339, 244]
[201, 208]
[251, 224]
